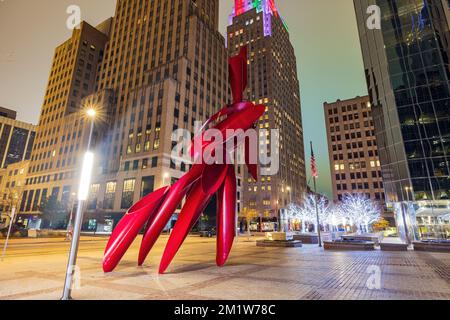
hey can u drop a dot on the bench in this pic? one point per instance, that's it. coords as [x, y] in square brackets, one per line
[394, 246]
[307, 238]
[432, 247]
[279, 244]
[368, 237]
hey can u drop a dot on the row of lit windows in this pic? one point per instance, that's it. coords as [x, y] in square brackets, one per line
[356, 165]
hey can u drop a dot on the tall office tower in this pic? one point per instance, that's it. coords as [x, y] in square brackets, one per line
[273, 82]
[407, 70]
[353, 151]
[167, 65]
[8, 113]
[16, 138]
[55, 158]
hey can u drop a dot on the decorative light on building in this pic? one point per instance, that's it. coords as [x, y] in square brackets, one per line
[355, 210]
[267, 7]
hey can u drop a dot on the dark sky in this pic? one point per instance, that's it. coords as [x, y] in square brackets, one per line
[323, 33]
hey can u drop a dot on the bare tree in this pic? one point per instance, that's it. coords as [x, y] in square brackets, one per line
[306, 212]
[11, 198]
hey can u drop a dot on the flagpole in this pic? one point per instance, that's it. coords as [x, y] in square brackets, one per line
[316, 200]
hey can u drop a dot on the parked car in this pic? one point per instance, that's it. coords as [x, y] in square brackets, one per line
[208, 233]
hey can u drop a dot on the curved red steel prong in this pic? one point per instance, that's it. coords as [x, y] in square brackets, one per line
[199, 139]
[226, 224]
[237, 69]
[242, 120]
[252, 167]
[173, 199]
[212, 178]
[189, 215]
[128, 228]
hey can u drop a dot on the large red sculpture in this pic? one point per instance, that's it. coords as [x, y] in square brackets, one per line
[199, 185]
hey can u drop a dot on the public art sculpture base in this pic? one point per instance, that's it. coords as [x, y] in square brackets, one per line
[198, 186]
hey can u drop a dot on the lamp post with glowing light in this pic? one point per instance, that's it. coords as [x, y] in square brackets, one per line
[408, 189]
[83, 193]
[405, 224]
[70, 224]
[289, 189]
[166, 176]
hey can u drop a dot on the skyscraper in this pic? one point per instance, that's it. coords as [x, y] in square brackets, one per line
[61, 133]
[353, 152]
[167, 64]
[273, 82]
[163, 67]
[407, 70]
[16, 138]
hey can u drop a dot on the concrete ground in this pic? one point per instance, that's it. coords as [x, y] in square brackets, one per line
[35, 269]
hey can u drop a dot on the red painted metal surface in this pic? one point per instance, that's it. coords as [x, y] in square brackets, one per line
[198, 186]
[128, 228]
[226, 222]
[191, 212]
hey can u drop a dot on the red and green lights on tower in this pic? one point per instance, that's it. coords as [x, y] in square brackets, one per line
[242, 6]
[267, 7]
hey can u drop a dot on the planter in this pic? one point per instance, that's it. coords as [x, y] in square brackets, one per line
[349, 245]
[279, 244]
[376, 238]
[432, 246]
[307, 238]
[394, 247]
[279, 236]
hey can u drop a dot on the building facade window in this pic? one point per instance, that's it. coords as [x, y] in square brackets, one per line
[128, 193]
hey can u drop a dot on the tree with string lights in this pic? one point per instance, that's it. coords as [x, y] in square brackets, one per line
[306, 212]
[360, 210]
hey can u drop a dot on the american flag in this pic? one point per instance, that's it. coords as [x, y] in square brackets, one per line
[314, 172]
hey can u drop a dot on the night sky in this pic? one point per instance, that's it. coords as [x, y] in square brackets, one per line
[323, 33]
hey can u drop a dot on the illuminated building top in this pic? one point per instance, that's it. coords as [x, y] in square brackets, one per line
[242, 6]
[267, 7]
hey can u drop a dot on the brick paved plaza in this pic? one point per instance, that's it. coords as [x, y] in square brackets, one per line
[34, 269]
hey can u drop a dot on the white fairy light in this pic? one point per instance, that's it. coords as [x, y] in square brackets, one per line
[354, 210]
[360, 210]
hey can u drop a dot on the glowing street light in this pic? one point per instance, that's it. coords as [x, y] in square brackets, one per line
[91, 112]
[83, 194]
[166, 176]
[290, 194]
[408, 191]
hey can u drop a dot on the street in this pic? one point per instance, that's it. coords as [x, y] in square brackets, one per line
[35, 269]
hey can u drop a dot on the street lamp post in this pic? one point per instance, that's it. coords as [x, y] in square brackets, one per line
[290, 194]
[70, 225]
[166, 176]
[407, 189]
[83, 193]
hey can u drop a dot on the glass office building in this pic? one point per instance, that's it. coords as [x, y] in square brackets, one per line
[407, 70]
